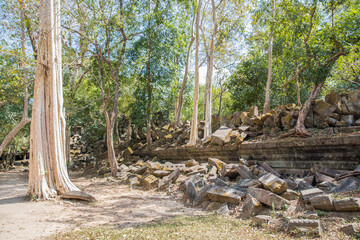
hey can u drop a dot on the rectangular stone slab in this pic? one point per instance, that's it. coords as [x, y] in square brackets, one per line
[347, 204]
[225, 194]
[268, 198]
[273, 183]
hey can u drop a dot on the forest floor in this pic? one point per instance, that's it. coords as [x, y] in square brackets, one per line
[116, 205]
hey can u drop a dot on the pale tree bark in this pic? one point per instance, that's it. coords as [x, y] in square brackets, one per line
[268, 82]
[297, 86]
[194, 122]
[24, 120]
[48, 175]
[210, 69]
[179, 104]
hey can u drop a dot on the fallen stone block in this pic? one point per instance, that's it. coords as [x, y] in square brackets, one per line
[243, 161]
[245, 172]
[223, 210]
[325, 170]
[246, 183]
[290, 195]
[260, 220]
[201, 196]
[347, 204]
[140, 170]
[171, 178]
[213, 171]
[291, 184]
[172, 167]
[220, 183]
[307, 226]
[161, 173]
[323, 178]
[221, 136]
[214, 206]
[191, 191]
[229, 171]
[216, 162]
[302, 185]
[225, 194]
[268, 168]
[251, 207]
[346, 185]
[350, 229]
[268, 198]
[273, 183]
[153, 165]
[191, 163]
[310, 193]
[150, 181]
[322, 202]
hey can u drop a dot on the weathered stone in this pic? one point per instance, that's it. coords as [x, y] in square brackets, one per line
[251, 207]
[134, 182]
[172, 167]
[346, 185]
[290, 195]
[245, 172]
[291, 184]
[78, 195]
[333, 98]
[220, 183]
[307, 226]
[229, 171]
[191, 191]
[225, 194]
[322, 202]
[216, 162]
[191, 163]
[214, 206]
[357, 122]
[348, 119]
[201, 196]
[140, 170]
[253, 112]
[273, 183]
[244, 128]
[153, 165]
[161, 173]
[150, 181]
[205, 204]
[310, 193]
[246, 183]
[221, 136]
[268, 198]
[213, 171]
[172, 177]
[323, 108]
[323, 178]
[325, 170]
[302, 185]
[123, 168]
[223, 210]
[268, 168]
[357, 169]
[243, 161]
[260, 220]
[350, 229]
[347, 204]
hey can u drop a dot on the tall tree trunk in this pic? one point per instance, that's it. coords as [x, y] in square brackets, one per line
[194, 122]
[48, 175]
[128, 133]
[297, 86]
[268, 82]
[178, 108]
[148, 109]
[24, 120]
[300, 124]
[110, 144]
[207, 128]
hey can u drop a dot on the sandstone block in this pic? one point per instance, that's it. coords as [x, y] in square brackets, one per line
[225, 194]
[221, 136]
[268, 198]
[347, 204]
[273, 183]
[322, 202]
[310, 193]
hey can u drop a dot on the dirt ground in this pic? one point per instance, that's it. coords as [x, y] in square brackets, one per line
[116, 205]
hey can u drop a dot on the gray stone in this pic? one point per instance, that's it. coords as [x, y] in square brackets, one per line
[245, 183]
[325, 170]
[290, 195]
[273, 183]
[323, 178]
[347, 204]
[223, 210]
[214, 206]
[322, 202]
[348, 119]
[307, 225]
[229, 171]
[346, 185]
[268, 198]
[213, 171]
[357, 122]
[260, 220]
[191, 163]
[202, 195]
[350, 229]
[161, 173]
[140, 170]
[225, 194]
[243, 161]
[220, 183]
[251, 207]
[221, 136]
[268, 168]
[291, 184]
[302, 185]
[191, 191]
[245, 172]
[171, 178]
[310, 193]
[78, 195]
[216, 162]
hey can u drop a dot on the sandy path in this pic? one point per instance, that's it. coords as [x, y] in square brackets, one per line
[116, 205]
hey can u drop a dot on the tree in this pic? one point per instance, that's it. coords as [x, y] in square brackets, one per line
[48, 175]
[194, 122]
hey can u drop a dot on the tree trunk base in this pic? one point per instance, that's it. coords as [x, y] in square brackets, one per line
[297, 132]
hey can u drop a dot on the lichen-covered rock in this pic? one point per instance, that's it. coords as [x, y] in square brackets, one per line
[273, 183]
[221, 136]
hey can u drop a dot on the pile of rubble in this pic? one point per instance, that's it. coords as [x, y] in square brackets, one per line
[250, 189]
[334, 113]
[82, 153]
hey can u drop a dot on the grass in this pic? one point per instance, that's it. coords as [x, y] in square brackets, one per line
[204, 227]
